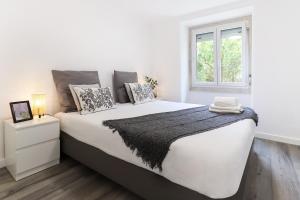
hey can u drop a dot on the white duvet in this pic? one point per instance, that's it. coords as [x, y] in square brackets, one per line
[211, 163]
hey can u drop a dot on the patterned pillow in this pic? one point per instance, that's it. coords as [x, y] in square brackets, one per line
[94, 99]
[128, 90]
[76, 100]
[141, 93]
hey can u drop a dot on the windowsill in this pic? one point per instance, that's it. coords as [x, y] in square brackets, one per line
[225, 89]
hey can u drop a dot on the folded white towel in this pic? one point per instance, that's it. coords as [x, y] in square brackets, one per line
[225, 111]
[226, 101]
[234, 108]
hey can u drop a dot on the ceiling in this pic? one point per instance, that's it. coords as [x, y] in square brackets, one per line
[171, 7]
[136, 8]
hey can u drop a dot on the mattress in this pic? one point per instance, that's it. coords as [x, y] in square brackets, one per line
[211, 163]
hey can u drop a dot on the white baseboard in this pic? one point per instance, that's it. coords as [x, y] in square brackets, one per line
[2, 163]
[278, 138]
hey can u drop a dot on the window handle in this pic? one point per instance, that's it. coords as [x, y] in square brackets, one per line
[250, 79]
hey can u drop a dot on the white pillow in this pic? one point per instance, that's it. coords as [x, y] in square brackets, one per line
[76, 100]
[141, 93]
[94, 99]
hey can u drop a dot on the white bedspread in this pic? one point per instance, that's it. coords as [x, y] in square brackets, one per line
[211, 163]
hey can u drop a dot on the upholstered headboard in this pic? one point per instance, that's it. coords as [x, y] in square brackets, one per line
[62, 79]
[119, 79]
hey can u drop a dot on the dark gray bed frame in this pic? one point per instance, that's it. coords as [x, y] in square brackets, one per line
[142, 182]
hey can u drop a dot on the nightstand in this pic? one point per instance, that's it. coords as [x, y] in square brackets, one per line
[31, 146]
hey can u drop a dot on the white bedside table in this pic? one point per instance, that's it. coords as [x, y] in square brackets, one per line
[31, 146]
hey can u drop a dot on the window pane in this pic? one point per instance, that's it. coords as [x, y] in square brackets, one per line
[205, 58]
[231, 52]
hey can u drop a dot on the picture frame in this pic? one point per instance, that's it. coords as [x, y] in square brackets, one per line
[21, 111]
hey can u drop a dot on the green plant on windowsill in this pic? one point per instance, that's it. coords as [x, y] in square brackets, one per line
[153, 83]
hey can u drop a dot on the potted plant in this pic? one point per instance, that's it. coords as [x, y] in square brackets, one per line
[153, 83]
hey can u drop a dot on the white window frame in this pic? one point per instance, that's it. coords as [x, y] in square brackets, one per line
[216, 30]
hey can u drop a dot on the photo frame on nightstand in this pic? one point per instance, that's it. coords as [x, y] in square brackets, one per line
[21, 111]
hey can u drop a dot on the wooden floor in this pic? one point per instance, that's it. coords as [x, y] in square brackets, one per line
[274, 174]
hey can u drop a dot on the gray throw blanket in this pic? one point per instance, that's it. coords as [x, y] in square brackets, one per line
[151, 135]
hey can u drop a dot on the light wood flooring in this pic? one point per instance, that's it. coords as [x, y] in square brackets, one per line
[274, 174]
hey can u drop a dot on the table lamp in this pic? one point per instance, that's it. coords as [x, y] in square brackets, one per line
[39, 104]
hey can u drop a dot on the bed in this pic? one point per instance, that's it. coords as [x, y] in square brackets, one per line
[210, 165]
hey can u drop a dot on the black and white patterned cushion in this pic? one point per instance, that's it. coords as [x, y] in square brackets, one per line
[128, 90]
[74, 95]
[141, 93]
[94, 99]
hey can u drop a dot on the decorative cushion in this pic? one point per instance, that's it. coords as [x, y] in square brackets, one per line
[119, 79]
[76, 100]
[129, 93]
[94, 99]
[62, 79]
[142, 93]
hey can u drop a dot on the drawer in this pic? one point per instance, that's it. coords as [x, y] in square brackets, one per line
[36, 134]
[37, 155]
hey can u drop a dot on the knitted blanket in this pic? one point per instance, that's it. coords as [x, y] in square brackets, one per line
[151, 135]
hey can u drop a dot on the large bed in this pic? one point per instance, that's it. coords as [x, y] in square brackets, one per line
[209, 165]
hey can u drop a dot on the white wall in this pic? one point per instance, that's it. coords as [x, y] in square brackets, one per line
[207, 97]
[166, 57]
[275, 64]
[37, 36]
[276, 93]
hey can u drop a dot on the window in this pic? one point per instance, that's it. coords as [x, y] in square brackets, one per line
[220, 56]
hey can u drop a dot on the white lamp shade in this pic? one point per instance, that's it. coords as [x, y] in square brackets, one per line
[38, 104]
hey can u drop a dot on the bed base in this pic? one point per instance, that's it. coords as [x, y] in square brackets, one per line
[142, 182]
